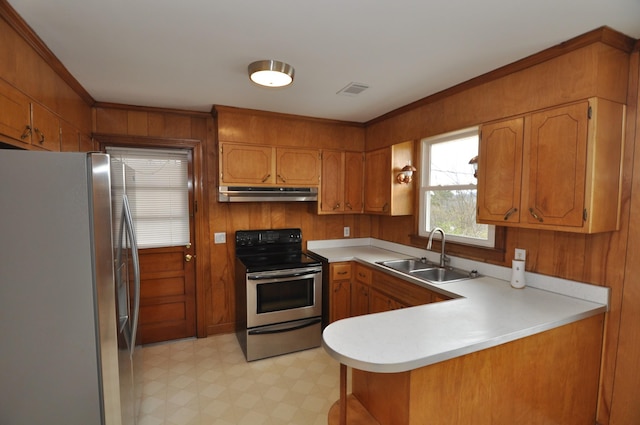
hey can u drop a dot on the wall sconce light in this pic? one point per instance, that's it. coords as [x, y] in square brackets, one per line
[406, 174]
[474, 163]
[270, 73]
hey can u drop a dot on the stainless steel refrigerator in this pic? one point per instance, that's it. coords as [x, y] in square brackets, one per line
[69, 289]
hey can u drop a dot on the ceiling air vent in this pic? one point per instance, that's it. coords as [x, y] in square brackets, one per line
[353, 89]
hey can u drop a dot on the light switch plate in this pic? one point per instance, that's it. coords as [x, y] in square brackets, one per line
[347, 231]
[220, 237]
[521, 254]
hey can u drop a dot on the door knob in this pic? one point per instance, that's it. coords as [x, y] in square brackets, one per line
[188, 257]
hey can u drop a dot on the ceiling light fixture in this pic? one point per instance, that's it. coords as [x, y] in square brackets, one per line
[270, 73]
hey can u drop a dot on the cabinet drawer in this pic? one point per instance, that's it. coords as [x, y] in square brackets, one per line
[363, 274]
[340, 271]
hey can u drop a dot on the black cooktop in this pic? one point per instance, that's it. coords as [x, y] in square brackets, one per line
[272, 249]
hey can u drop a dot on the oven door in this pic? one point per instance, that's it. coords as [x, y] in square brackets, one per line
[283, 295]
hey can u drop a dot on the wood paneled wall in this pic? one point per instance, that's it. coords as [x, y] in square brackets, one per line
[604, 68]
[265, 128]
[27, 64]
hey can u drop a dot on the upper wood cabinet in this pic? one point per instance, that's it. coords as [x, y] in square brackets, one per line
[268, 165]
[45, 128]
[341, 182]
[27, 122]
[500, 171]
[69, 138]
[15, 120]
[247, 164]
[297, 167]
[557, 169]
[382, 192]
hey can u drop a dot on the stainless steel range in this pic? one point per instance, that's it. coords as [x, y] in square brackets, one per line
[278, 293]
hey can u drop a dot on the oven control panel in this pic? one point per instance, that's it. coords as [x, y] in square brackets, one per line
[268, 237]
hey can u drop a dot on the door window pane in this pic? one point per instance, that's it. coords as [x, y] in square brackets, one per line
[157, 184]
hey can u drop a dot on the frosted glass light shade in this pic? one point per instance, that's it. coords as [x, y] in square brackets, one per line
[270, 73]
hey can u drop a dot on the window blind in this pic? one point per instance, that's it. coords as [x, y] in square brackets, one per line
[157, 184]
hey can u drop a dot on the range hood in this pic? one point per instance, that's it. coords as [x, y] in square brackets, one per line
[266, 194]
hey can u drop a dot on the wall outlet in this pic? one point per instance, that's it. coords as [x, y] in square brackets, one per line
[521, 254]
[220, 237]
[347, 231]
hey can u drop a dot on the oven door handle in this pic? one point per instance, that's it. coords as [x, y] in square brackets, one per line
[283, 276]
[283, 328]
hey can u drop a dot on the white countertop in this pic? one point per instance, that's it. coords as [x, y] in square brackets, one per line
[487, 312]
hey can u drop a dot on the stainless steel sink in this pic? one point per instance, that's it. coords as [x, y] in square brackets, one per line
[428, 272]
[441, 275]
[408, 264]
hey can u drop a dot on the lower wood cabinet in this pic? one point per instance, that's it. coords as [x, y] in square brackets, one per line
[356, 289]
[379, 302]
[339, 291]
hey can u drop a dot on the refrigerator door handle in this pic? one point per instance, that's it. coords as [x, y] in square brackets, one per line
[128, 220]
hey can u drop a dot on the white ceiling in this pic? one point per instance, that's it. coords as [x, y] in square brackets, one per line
[192, 54]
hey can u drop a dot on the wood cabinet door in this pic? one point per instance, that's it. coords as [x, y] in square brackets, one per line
[15, 120]
[247, 164]
[340, 301]
[555, 158]
[353, 182]
[298, 167]
[332, 185]
[69, 138]
[86, 143]
[500, 172]
[46, 128]
[359, 298]
[378, 302]
[377, 187]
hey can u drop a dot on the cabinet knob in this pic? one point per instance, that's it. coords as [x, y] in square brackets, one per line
[188, 257]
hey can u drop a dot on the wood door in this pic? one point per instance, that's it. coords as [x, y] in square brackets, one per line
[168, 286]
[377, 188]
[353, 182]
[247, 164]
[167, 294]
[500, 172]
[556, 157]
[297, 167]
[332, 187]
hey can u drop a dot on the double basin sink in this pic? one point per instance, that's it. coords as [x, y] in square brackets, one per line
[428, 272]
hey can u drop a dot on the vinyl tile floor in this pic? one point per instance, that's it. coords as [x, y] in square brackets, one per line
[208, 382]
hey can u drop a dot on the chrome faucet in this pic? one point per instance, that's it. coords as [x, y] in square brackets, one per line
[443, 258]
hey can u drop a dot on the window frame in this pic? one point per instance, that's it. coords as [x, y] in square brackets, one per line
[492, 241]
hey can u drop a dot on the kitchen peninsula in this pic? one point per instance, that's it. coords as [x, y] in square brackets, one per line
[490, 355]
